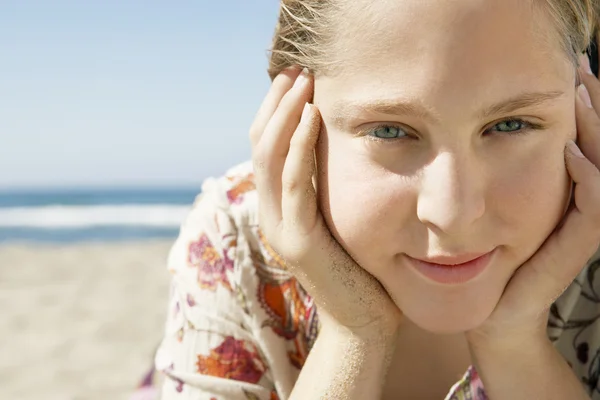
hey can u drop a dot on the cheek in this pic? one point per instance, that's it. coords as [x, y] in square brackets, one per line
[529, 197]
[364, 205]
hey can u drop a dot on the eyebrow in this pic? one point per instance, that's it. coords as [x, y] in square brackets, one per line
[343, 110]
[521, 101]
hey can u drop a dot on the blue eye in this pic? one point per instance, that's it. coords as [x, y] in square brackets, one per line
[511, 126]
[387, 132]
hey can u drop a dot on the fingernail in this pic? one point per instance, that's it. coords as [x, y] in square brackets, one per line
[584, 62]
[584, 95]
[574, 149]
[305, 114]
[302, 79]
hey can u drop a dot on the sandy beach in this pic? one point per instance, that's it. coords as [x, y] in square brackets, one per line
[80, 321]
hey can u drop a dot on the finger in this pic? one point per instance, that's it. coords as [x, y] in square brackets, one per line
[587, 183]
[298, 198]
[280, 86]
[284, 121]
[587, 77]
[588, 125]
[271, 151]
[560, 259]
[578, 238]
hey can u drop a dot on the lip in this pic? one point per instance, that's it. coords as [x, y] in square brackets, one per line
[453, 260]
[452, 270]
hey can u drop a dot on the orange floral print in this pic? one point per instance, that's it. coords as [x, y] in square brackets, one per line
[235, 195]
[292, 310]
[233, 359]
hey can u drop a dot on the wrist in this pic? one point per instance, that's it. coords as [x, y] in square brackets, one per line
[382, 328]
[493, 358]
[521, 342]
[382, 335]
[373, 346]
[530, 368]
[346, 362]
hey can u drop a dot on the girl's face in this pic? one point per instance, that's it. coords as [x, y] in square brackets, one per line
[443, 135]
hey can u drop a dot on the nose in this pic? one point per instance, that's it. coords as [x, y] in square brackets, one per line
[451, 197]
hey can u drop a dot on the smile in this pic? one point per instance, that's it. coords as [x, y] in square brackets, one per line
[452, 270]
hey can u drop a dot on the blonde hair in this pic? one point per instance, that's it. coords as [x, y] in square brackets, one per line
[303, 35]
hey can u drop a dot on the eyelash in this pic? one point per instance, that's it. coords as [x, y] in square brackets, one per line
[526, 127]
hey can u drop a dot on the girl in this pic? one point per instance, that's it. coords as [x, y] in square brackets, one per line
[417, 214]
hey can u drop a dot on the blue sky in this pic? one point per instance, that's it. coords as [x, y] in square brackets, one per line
[128, 93]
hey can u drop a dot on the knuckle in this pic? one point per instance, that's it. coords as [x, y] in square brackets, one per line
[287, 254]
[289, 185]
[289, 179]
[260, 158]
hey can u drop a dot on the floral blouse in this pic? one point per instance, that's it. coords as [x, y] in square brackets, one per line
[240, 326]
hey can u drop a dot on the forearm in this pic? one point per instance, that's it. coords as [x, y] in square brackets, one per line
[535, 371]
[343, 365]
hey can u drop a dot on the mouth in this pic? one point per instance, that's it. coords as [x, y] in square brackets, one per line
[452, 270]
[453, 260]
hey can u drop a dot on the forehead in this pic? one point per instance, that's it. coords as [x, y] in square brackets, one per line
[447, 45]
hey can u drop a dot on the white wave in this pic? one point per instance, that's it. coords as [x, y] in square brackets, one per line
[69, 217]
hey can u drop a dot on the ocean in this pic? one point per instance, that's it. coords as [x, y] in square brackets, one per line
[80, 215]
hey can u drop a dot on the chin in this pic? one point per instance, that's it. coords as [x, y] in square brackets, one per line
[454, 317]
[448, 326]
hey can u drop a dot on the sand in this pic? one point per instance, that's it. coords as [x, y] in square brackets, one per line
[80, 321]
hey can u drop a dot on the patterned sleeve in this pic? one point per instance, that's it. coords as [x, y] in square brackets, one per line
[469, 387]
[208, 351]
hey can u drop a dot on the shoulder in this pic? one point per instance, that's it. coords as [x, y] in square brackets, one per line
[232, 193]
[225, 206]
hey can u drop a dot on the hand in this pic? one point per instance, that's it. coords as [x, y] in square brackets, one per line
[283, 136]
[522, 313]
